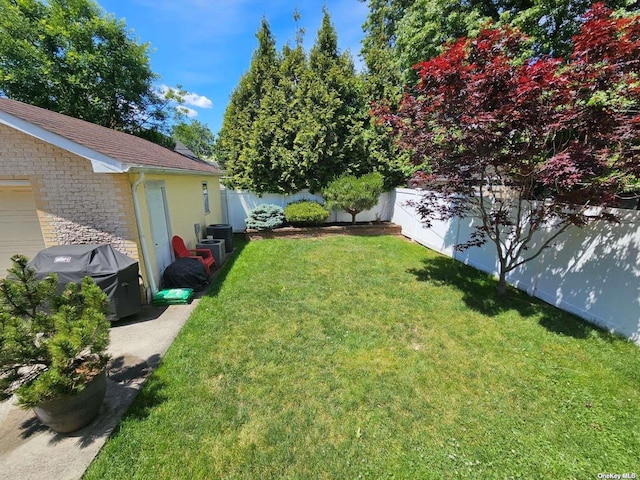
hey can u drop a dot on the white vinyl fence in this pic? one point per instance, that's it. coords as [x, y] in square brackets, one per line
[236, 205]
[593, 272]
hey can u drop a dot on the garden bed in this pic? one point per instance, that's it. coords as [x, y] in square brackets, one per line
[362, 228]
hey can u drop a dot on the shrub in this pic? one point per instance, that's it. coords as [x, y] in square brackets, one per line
[305, 212]
[265, 217]
[354, 195]
[50, 344]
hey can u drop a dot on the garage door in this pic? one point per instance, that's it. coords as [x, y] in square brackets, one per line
[19, 226]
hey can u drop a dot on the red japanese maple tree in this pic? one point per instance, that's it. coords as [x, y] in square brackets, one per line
[525, 143]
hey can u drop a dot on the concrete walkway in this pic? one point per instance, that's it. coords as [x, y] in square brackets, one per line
[30, 451]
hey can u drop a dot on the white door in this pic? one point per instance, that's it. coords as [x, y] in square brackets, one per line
[160, 232]
[20, 230]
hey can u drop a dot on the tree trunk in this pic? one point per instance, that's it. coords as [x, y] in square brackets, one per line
[502, 284]
[353, 218]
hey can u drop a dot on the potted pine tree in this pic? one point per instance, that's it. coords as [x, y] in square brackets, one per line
[53, 346]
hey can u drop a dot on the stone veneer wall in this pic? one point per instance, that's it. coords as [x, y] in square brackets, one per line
[75, 205]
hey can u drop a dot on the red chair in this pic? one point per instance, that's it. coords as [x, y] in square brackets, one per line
[202, 254]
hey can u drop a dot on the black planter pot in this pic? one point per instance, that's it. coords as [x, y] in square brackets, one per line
[70, 413]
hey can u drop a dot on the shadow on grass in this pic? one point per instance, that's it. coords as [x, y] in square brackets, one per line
[479, 294]
[150, 396]
[239, 242]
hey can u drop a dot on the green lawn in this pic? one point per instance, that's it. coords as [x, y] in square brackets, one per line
[372, 357]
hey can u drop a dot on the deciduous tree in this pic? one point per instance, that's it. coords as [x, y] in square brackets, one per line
[384, 75]
[401, 33]
[69, 57]
[524, 144]
[196, 136]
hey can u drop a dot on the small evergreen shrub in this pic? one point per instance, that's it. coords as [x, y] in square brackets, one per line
[354, 194]
[265, 217]
[51, 344]
[305, 212]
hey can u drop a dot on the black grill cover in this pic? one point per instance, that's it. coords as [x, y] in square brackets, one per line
[114, 272]
[186, 273]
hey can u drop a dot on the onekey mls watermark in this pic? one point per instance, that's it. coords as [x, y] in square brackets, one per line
[617, 475]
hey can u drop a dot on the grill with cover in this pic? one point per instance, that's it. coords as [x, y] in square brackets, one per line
[114, 272]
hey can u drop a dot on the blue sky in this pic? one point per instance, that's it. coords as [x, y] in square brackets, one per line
[206, 45]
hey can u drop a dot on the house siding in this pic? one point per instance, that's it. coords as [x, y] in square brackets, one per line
[75, 205]
[185, 206]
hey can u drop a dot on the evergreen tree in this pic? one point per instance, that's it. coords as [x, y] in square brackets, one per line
[384, 71]
[234, 140]
[330, 135]
[233, 135]
[298, 121]
[51, 343]
[354, 194]
[288, 157]
[276, 165]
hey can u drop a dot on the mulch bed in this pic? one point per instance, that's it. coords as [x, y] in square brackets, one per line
[365, 228]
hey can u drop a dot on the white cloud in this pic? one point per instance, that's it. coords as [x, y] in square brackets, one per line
[189, 98]
[189, 112]
[163, 90]
[197, 100]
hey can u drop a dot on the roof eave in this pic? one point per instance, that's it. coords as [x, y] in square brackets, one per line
[173, 171]
[100, 162]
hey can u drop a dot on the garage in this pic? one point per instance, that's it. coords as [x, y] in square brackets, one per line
[19, 226]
